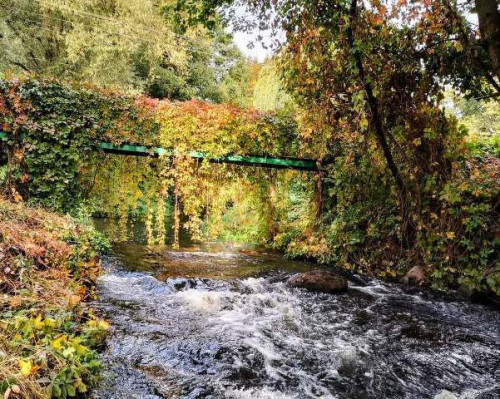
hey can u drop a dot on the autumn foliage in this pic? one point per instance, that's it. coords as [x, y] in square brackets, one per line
[444, 216]
[48, 269]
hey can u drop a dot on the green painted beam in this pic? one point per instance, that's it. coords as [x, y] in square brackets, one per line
[250, 160]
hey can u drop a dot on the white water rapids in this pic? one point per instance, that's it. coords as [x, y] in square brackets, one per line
[256, 338]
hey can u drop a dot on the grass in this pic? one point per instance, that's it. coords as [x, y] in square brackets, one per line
[49, 336]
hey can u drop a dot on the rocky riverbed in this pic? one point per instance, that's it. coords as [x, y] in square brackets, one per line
[209, 323]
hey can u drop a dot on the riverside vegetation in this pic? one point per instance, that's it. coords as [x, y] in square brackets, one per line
[398, 103]
[49, 336]
[453, 225]
[404, 183]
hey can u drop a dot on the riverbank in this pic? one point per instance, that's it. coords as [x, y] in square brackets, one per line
[49, 335]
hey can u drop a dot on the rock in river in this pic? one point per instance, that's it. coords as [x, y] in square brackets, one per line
[320, 281]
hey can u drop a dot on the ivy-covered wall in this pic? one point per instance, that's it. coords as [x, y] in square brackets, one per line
[54, 128]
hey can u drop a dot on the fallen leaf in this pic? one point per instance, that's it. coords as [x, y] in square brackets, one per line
[74, 300]
[15, 301]
[25, 366]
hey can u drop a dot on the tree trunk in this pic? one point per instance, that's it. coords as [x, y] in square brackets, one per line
[378, 125]
[319, 196]
[489, 27]
[374, 108]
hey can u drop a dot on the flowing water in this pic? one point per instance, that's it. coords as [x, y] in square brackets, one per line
[212, 322]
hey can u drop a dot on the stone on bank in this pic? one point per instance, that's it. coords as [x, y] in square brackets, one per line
[319, 281]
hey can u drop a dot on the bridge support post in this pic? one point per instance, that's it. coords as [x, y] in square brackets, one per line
[272, 228]
[318, 195]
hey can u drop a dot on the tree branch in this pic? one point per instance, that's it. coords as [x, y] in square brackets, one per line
[471, 42]
[373, 104]
[21, 65]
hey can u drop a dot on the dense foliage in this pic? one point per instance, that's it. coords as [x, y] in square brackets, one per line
[48, 335]
[52, 128]
[453, 213]
[53, 131]
[369, 80]
[366, 81]
[408, 176]
[482, 120]
[139, 46]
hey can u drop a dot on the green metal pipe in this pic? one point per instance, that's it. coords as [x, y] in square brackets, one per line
[250, 160]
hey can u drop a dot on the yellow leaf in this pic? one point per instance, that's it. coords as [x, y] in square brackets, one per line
[58, 342]
[73, 300]
[417, 142]
[463, 187]
[450, 235]
[92, 324]
[50, 322]
[103, 324]
[38, 323]
[25, 366]
[363, 123]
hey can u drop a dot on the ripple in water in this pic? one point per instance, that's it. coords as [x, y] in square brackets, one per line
[256, 338]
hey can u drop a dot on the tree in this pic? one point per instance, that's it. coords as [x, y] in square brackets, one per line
[216, 71]
[141, 46]
[489, 27]
[368, 78]
[376, 71]
[268, 91]
[86, 40]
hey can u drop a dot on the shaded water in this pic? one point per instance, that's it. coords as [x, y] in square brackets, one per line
[212, 322]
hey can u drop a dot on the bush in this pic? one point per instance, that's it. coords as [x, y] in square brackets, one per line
[48, 334]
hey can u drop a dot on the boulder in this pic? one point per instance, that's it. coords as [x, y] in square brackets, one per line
[319, 281]
[415, 275]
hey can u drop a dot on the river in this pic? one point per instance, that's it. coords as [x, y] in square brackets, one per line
[209, 321]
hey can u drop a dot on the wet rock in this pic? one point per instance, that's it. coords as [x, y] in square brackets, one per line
[415, 275]
[445, 395]
[348, 361]
[319, 281]
[363, 318]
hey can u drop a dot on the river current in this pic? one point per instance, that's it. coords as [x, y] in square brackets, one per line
[213, 322]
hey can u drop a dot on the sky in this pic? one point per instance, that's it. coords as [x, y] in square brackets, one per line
[244, 39]
[258, 53]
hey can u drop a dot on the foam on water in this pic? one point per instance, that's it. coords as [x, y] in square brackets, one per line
[264, 393]
[202, 301]
[257, 338]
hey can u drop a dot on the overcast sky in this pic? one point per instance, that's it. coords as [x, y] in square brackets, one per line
[248, 43]
[258, 53]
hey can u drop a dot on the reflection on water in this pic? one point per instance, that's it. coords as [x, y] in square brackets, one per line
[212, 322]
[216, 261]
[135, 231]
